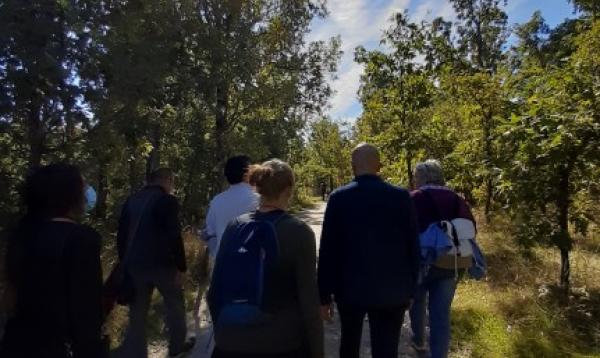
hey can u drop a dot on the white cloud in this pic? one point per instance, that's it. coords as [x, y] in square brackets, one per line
[361, 22]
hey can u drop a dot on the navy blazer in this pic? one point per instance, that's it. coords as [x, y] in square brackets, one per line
[369, 254]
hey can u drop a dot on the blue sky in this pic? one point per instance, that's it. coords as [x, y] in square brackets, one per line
[361, 22]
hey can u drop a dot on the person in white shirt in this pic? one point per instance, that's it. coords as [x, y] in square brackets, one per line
[238, 199]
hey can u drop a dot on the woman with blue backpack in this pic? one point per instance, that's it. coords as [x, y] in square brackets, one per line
[263, 297]
[448, 250]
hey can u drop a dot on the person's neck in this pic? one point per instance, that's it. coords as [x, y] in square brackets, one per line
[272, 206]
[365, 172]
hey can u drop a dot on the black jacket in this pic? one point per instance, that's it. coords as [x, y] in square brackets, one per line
[157, 241]
[369, 254]
[56, 270]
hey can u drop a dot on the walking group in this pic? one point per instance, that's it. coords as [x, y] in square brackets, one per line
[383, 251]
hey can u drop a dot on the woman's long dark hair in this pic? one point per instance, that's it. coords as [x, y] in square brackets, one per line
[54, 190]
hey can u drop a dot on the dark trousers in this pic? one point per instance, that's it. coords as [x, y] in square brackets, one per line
[384, 323]
[217, 353]
[145, 281]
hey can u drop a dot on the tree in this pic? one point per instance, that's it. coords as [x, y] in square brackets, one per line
[43, 47]
[395, 90]
[555, 133]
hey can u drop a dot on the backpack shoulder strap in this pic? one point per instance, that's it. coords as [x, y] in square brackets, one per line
[457, 202]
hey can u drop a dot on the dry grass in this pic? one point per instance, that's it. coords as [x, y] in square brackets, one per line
[519, 311]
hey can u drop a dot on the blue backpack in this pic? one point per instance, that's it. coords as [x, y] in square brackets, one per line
[239, 277]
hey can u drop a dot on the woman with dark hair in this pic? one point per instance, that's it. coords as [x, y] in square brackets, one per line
[53, 263]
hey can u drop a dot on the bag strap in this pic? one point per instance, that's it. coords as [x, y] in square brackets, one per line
[133, 229]
[440, 217]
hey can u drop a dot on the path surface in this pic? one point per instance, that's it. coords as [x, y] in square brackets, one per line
[314, 218]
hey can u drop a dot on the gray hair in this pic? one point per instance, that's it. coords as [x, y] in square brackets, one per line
[429, 172]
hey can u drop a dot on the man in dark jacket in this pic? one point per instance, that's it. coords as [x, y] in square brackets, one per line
[150, 245]
[368, 260]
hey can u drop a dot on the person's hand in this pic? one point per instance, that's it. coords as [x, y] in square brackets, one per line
[327, 312]
[179, 276]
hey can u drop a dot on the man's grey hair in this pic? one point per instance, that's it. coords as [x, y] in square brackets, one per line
[429, 172]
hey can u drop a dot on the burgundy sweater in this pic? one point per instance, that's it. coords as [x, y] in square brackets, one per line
[449, 204]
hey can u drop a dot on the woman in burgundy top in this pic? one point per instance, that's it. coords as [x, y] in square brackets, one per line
[433, 199]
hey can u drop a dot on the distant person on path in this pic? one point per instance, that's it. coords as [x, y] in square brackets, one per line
[432, 200]
[150, 235]
[53, 263]
[238, 199]
[263, 297]
[323, 191]
[369, 257]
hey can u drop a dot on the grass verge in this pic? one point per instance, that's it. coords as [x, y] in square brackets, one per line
[519, 312]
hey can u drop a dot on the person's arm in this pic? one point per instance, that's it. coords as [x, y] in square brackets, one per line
[213, 301]
[464, 210]
[169, 215]
[84, 306]
[210, 228]
[306, 279]
[328, 253]
[123, 231]
[414, 245]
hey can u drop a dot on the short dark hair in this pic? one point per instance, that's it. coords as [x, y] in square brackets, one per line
[160, 174]
[54, 190]
[236, 167]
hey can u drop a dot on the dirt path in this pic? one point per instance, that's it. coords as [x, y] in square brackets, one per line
[314, 218]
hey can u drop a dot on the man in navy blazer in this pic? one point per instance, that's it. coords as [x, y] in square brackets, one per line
[369, 257]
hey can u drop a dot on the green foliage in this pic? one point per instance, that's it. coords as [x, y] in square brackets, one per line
[326, 158]
[516, 129]
[122, 87]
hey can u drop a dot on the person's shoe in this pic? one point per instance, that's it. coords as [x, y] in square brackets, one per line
[187, 348]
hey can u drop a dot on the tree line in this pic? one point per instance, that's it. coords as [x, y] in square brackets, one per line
[121, 87]
[513, 112]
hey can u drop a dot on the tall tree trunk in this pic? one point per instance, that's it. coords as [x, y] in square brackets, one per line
[220, 129]
[409, 170]
[488, 156]
[153, 161]
[133, 173]
[102, 190]
[69, 138]
[35, 137]
[564, 240]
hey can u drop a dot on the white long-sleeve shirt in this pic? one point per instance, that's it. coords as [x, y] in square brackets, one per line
[226, 206]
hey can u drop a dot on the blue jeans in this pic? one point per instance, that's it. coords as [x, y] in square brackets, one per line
[441, 292]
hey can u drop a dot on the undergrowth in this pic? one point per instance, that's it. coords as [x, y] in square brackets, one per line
[518, 311]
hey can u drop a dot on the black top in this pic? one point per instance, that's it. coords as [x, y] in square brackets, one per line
[290, 295]
[58, 277]
[157, 240]
[369, 254]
